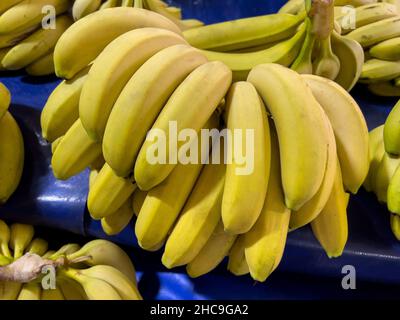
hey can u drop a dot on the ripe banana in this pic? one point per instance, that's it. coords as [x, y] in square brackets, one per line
[62, 107]
[5, 99]
[301, 130]
[384, 175]
[211, 255]
[103, 252]
[138, 199]
[71, 289]
[384, 89]
[38, 246]
[11, 156]
[30, 291]
[198, 219]
[112, 70]
[387, 50]
[86, 38]
[237, 263]
[395, 225]
[265, 242]
[376, 70]
[245, 188]
[140, 102]
[82, 8]
[4, 239]
[210, 83]
[44, 66]
[376, 152]
[20, 237]
[352, 137]
[283, 53]
[28, 15]
[64, 251]
[118, 221]
[330, 227]
[52, 294]
[244, 33]
[75, 152]
[35, 46]
[376, 32]
[108, 193]
[391, 132]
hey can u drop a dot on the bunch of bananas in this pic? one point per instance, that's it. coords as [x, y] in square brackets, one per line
[11, 148]
[99, 270]
[384, 173]
[119, 87]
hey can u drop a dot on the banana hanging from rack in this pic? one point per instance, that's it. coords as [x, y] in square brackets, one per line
[376, 152]
[87, 38]
[82, 8]
[391, 133]
[43, 66]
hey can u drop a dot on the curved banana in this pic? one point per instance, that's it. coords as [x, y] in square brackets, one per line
[86, 38]
[30, 291]
[384, 176]
[352, 138]
[43, 66]
[64, 251]
[330, 227]
[38, 246]
[20, 237]
[245, 187]
[115, 223]
[5, 99]
[237, 263]
[5, 235]
[112, 70]
[151, 86]
[11, 156]
[62, 107]
[75, 152]
[301, 130]
[283, 53]
[376, 70]
[387, 50]
[108, 193]
[395, 225]
[35, 46]
[391, 132]
[376, 152]
[82, 8]
[210, 82]
[384, 89]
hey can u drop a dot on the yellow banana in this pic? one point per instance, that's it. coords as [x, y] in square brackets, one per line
[151, 86]
[391, 132]
[393, 192]
[86, 38]
[5, 234]
[138, 199]
[395, 225]
[384, 175]
[75, 152]
[118, 221]
[376, 152]
[7, 4]
[5, 99]
[330, 227]
[64, 251]
[44, 66]
[30, 291]
[245, 184]
[52, 294]
[20, 237]
[11, 156]
[376, 70]
[3, 52]
[10, 39]
[62, 107]
[82, 8]
[387, 50]
[112, 70]
[237, 263]
[38, 246]
[210, 82]
[71, 289]
[352, 138]
[301, 130]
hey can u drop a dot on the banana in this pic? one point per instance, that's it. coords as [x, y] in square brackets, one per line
[38, 246]
[376, 70]
[71, 289]
[64, 251]
[30, 291]
[44, 66]
[376, 32]
[198, 219]
[283, 53]
[119, 281]
[52, 294]
[20, 237]
[352, 138]
[62, 107]
[265, 242]
[35, 46]
[86, 38]
[244, 192]
[303, 63]
[384, 176]
[115, 223]
[211, 255]
[313, 207]
[82, 8]
[151, 86]
[5, 99]
[138, 199]
[28, 15]
[10, 290]
[243, 33]
[351, 56]
[292, 7]
[11, 156]
[4, 239]
[395, 225]
[103, 252]
[7, 4]
[330, 227]
[393, 192]
[391, 132]
[108, 193]
[368, 14]
[237, 263]
[112, 70]
[95, 289]
[210, 82]
[387, 50]
[75, 152]
[384, 89]
[376, 152]
[161, 208]
[3, 52]
[301, 130]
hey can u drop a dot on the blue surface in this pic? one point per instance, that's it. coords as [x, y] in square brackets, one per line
[372, 248]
